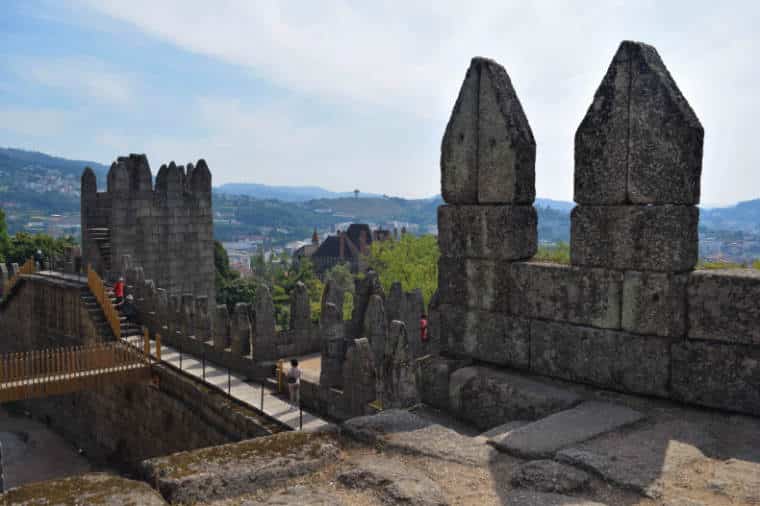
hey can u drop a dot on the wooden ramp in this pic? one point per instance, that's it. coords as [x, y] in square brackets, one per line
[56, 371]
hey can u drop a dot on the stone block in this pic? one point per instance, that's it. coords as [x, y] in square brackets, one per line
[645, 238]
[565, 293]
[488, 152]
[640, 141]
[724, 305]
[433, 374]
[474, 283]
[489, 232]
[654, 303]
[489, 397]
[605, 358]
[459, 149]
[717, 375]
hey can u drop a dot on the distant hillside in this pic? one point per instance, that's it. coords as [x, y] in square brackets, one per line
[40, 182]
[285, 193]
[744, 217]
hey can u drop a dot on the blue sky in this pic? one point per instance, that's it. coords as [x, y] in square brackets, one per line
[354, 94]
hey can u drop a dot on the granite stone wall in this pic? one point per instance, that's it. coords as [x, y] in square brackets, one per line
[166, 229]
[630, 313]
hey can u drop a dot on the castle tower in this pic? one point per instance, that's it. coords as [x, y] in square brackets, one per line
[315, 237]
[167, 231]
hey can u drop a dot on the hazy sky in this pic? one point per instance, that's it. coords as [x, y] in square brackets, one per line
[355, 94]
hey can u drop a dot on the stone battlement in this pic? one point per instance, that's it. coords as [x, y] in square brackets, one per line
[166, 229]
[629, 313]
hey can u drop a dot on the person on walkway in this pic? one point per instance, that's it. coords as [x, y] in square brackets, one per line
[118, 290]
[294, 382]
[423, 328]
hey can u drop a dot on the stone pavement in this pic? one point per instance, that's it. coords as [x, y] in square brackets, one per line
[249, 393]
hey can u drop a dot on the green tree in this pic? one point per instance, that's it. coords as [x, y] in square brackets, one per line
[756, 264]
[559, 254]
[23, 246]
[5, 240]
[342, 276]
[411, 260]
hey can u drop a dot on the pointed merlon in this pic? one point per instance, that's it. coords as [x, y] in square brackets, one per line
[640, 142]
[488, 152]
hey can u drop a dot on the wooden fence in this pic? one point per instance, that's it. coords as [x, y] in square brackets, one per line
[98, 289]
[57, 371]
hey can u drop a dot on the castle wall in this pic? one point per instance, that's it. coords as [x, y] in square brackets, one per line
[629, 313]
[168, 230]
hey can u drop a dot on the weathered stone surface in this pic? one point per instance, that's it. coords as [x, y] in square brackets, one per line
[331, 330]
[605, 358]
[654, 303]
[506, 148]
[359, 377]
[92, 488]
[399, 377]
[333, 293]
[528, 498]
[643, 459]
[566, 293]
[364, 289]
[488, 152]
[488, 397]
[491, 232]
[240, 330]
[395, 482]
[300, 310]
[717, 375]
[411, 312]
[301, 495]
[474, 283]
[434, 324]
[235, 469]
[433, 374]
[640, 141]
[264, 336]
[502, 430]
[543, 438]
[222, 327]
[459, 148]
[549, 476]
[491, 337]
[723, 306]
[393, 302]
[739, 480]
[376, 327]
[409, 433]
[660, 238]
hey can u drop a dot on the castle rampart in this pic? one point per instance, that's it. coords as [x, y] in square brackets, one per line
[629, 313]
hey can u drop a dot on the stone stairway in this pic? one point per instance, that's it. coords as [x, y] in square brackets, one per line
[102, 238]
[96, 314]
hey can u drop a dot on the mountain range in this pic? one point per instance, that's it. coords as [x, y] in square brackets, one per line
[34, 180]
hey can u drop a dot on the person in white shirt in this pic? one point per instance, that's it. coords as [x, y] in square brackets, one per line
[294, 382]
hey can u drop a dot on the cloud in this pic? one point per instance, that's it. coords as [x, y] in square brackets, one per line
[34, 122]
[80, 77]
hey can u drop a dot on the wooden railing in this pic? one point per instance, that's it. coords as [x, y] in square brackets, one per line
[57, 371]
[29, 267]
[98, 289]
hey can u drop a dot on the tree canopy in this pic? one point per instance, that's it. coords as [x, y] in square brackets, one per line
[411, 260]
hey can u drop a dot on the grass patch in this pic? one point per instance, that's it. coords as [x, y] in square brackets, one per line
[559, 254]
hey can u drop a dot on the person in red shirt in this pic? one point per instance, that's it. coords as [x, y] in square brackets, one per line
[118, 290]
[423, 327]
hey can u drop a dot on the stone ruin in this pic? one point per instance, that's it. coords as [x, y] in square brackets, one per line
[166, 229]
[630, 313]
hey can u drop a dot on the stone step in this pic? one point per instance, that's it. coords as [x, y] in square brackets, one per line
[488, 397]
[545, 437]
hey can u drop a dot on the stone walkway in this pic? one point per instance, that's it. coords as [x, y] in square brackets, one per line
[248, 393]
